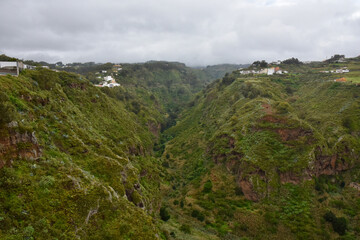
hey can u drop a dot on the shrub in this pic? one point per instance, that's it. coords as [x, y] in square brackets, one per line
[164, 214]
[197, 214]
[329, 216]
[185, 228]
[207, 187]
[6, 109]
[228, 79]
[339, 225]
[238, 191]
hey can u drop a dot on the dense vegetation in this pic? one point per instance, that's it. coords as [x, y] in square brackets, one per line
[176, 154]
[267, 157]
[75, 162]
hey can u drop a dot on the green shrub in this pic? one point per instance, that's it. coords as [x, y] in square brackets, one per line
[238, 191]
[197, 214]
[6, 109]
[164, 214]
[185, 228]
[329, 216]
[207, 187]
[340, 225]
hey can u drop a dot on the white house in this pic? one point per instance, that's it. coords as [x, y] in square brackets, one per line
[109, 81]
[271, 71]
[13, 68]
[108, 78]
[263, 71]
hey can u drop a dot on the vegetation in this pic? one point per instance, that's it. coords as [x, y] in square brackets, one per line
[175, 153]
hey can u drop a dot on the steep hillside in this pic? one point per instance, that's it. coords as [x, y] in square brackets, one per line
[74, 162]
[250, 156]
[267, 157]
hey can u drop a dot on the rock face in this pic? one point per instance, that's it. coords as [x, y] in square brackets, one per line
[330, 165]
[14, 144]
[249, 174]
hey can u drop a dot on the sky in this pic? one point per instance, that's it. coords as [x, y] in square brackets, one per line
[195, 32]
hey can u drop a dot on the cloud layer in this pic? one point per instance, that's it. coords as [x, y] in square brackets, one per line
[197, 32]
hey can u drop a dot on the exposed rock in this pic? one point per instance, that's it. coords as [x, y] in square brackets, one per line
[81, 86]
[16, 144]
[290, 177]
[287, 134]
[355, 185]
[247, 189]
[154, 128]
[329, 165]
[13, 124]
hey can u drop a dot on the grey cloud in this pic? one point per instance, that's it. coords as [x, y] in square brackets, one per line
[194, 32]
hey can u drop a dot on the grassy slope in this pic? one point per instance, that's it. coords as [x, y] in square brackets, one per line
[96, 156]
[229, 131]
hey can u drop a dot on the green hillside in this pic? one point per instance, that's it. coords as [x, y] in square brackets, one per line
[75, 163]
[267, 157]
[181, 153]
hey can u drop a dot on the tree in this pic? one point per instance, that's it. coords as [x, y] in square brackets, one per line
[262, 64]
[292, 60]
[335, 58]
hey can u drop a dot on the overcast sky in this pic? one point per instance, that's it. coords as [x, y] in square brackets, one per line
[196, 32]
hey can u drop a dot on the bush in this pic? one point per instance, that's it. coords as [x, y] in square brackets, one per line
[164, 214]
[207, 187]
[199, 215]
[238, 191]
[329, 216]
[6, 109]
[228, 79]
[185, 228]
[340, 225]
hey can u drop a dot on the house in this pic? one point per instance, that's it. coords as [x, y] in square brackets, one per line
[13, 68]
[108, 78]
[339, 71]
[109, 81]
[117, 67]
[263, 71]
[271, 71]
[340, 80]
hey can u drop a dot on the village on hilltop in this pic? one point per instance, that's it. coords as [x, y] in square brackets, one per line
[268, 71]
[109, 81]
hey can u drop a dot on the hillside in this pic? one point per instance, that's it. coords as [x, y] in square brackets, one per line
[74, 162]
[267, 157]
[174, 153]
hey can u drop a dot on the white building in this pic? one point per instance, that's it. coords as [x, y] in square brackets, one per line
[109, 81]
[13, 68]
[108, 78]
[271, 71]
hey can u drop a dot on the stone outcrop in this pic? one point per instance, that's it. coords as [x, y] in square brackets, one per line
[16, 144]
